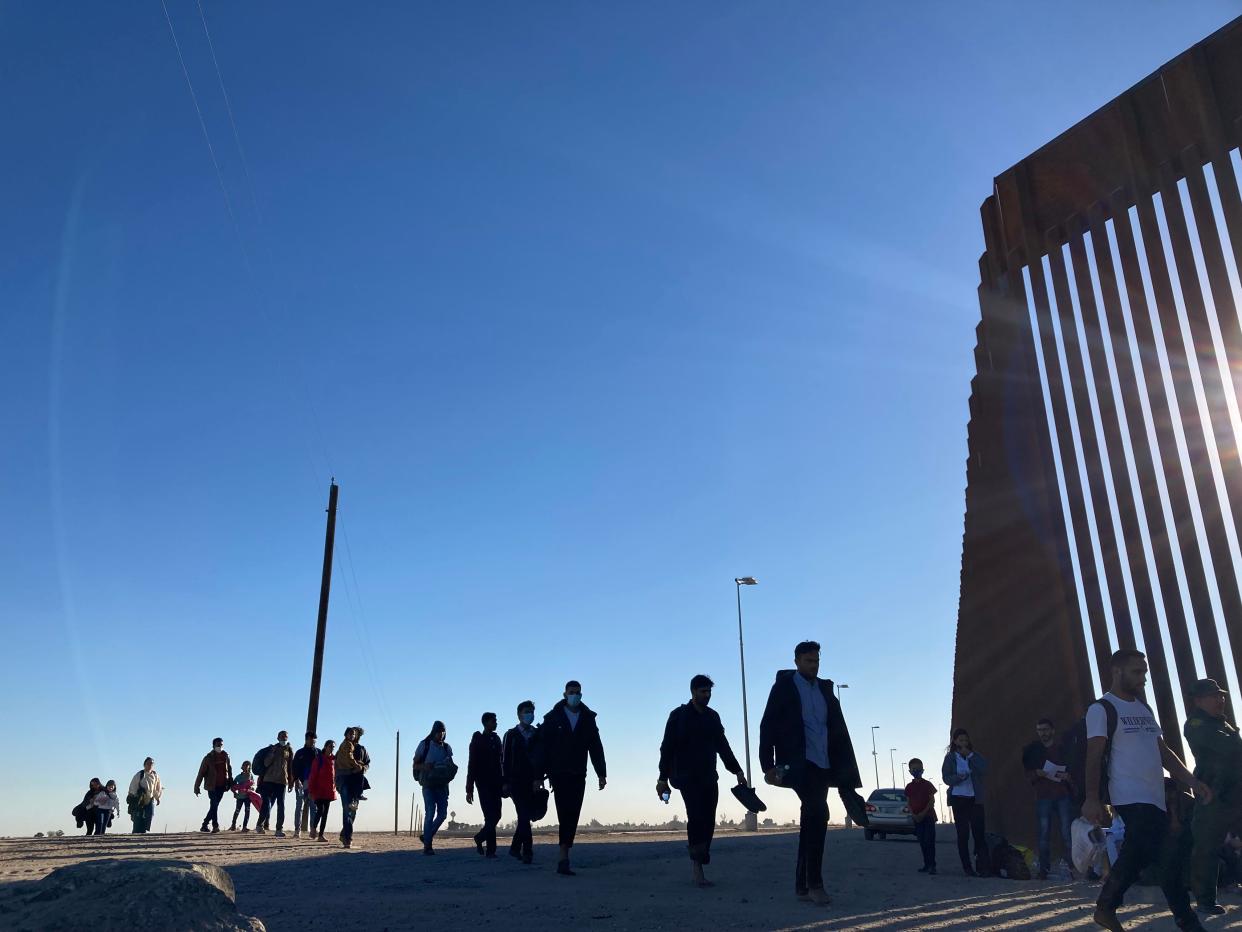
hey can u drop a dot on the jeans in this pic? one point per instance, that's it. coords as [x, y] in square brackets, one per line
[968, 820]
[272, 793]
[242, 800]
[700, 799]
[143, 818]
[348, 810]
[925, 832]
[101, 817]
[1044, 809]
[812, 790]
[523, 838]
[319, 816]
[1147, 842]
[489, 802]
[89, 818]
[300, 798]
[435, 810]
[213, 810]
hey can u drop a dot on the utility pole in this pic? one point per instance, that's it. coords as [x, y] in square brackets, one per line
[396, 787]
[325, 585]
[892, 770]
[750, 820]
[875, 760]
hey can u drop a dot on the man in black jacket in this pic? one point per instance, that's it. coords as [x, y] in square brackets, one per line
[692, 739]
[483, 770]
[804, 745]
[517, 770]
[567, 736]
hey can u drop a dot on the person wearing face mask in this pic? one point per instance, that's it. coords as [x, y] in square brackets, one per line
[215, 775]
[517, 774]
[275, 779]
[963, 771]
[84, 811]
[921, 801]
[145, 790]
[567, 736]
[693, 738]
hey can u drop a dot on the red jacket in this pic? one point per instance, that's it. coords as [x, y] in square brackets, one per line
[322, 781]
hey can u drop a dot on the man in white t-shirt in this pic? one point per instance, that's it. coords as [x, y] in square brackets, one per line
[1137, 760]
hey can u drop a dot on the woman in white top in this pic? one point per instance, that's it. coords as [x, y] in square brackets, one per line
[963, 771]
[144, 795]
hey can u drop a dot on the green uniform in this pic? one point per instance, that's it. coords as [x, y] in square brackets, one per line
[1217, 748]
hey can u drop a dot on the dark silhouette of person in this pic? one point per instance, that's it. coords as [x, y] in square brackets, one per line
[517, 768]
[483, 771]
[805, 745]
[693, 737]
[567, 736]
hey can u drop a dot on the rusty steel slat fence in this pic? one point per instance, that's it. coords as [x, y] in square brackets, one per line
[1115, 247]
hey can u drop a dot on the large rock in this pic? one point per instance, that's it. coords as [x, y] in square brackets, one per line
[115, 895]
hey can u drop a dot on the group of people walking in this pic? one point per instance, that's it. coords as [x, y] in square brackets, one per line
[516, 767]
[805, 746]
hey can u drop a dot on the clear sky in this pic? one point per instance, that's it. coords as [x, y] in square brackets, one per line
[589, 308]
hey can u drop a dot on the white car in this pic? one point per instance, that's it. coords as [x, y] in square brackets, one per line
[888, 812]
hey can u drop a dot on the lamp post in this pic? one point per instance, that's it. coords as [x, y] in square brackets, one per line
[751, 821]
[841, 686]
[892, 770]
[904, 778]
[874, 759]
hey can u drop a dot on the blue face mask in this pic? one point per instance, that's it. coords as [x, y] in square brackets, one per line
[916, 773]
[573, 699]
[528, 717]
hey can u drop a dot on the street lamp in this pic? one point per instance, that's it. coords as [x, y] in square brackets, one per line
[751, 821]
[841, 686]
[904, 778]
[892, 770]
[874, 759]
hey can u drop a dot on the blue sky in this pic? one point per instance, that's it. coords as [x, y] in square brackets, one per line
[588, 308]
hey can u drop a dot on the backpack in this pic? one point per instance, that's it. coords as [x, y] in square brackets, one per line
[258, 763]
[1074, 741]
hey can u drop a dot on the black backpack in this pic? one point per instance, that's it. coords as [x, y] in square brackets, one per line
[1074, 741]
[258, 763]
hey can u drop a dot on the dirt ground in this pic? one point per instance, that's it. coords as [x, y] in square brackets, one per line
[630, 881]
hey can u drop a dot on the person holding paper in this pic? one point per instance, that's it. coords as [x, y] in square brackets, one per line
[1045, 763]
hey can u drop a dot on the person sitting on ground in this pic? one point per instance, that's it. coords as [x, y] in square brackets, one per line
[321, 787]
[434, 769]
[921, 801]
[106, 804]
[83, 812]
[244, 793]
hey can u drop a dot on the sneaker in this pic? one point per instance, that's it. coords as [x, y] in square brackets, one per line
[245, 830]
[258, 830]
[562, 868]
[204, 828]
[1107, 918]
[362, 799]
[297, 833]
[478, 846]
[1211, 909]
[232, 828]
[215, 830]
[279, 833]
